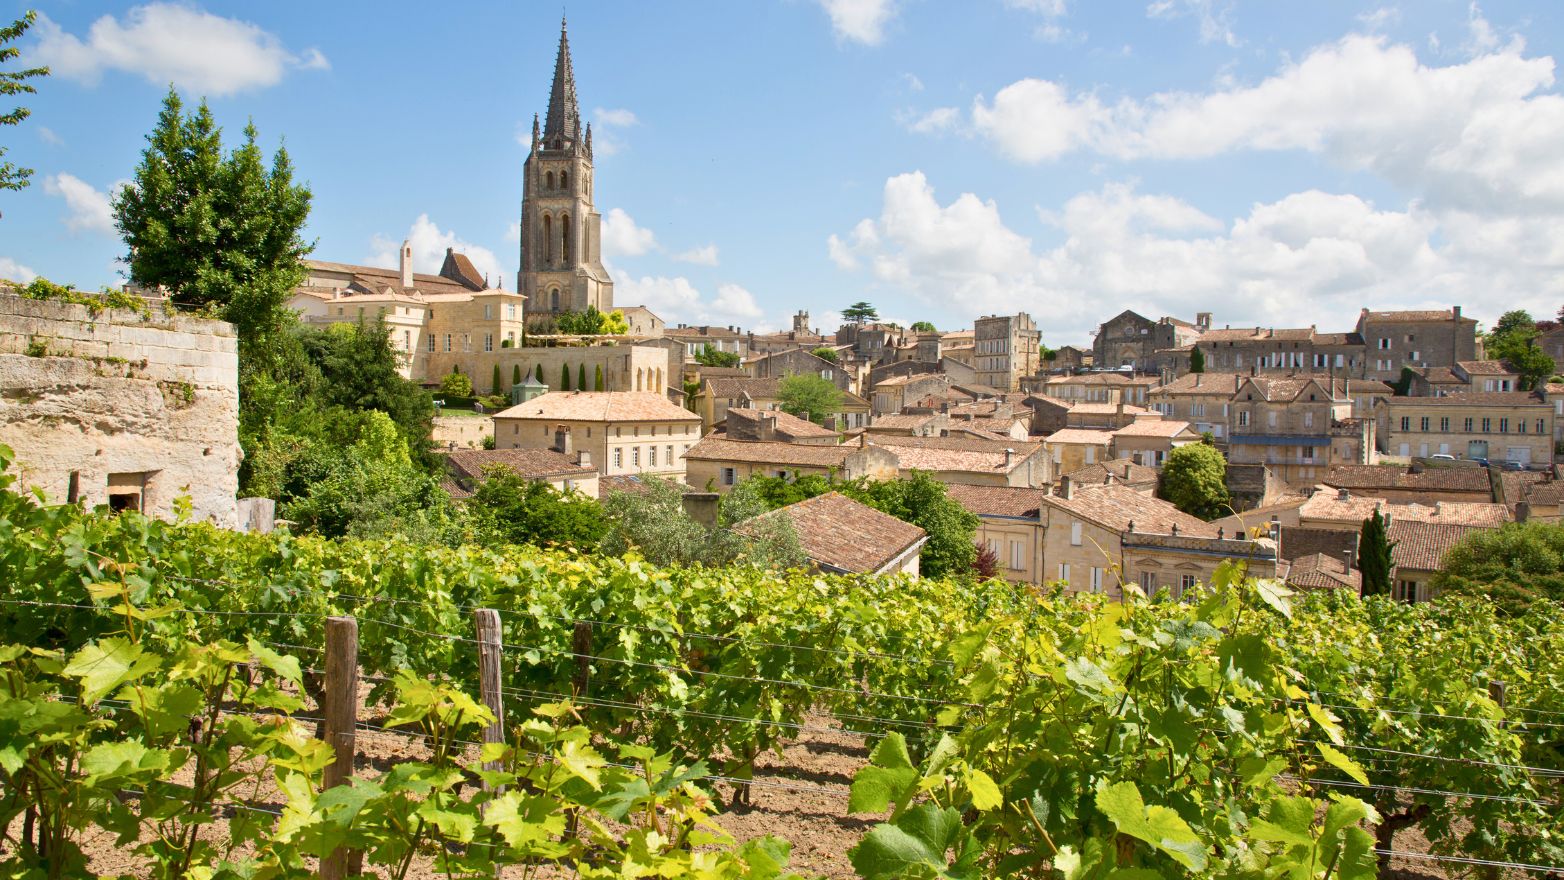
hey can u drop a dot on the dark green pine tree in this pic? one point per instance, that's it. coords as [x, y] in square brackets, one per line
[597, 380]
[538, 374]
[581, 378]
[1374, 558]
[564, 377]
[1197, 360]
[496, 383]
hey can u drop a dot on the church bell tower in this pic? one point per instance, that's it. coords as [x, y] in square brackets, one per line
[561, 232]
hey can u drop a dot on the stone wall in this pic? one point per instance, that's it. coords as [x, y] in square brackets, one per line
[114, 404]
[467, 432]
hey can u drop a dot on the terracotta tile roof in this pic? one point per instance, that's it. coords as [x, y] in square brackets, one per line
[899, 422]
[998, 500]
[901, 380]
[1082, 436]
[839, 533]
[462, 269]
[733, 387]
[705, 332]
[745, 423]
[1440, 376]
[850, 399]
[1366, 477]
[1422, 546]
[600, 406]
[970, 454]
[1326, 505]
[1487, 368]
[1216, 384]
[1473, 398]
[1232, 334]
[1351, 337]
[1368, 386]
[769, 452]
[1114, 507]
[1122, 469]
[533, 464]
[1548, 493]
[1089, 379]
[1414, 315]
[1001, 426]
[1104, 409]
[1153, 428]
[1554, 388]
[1300, 541]
[1286, 388]
[1318, 571]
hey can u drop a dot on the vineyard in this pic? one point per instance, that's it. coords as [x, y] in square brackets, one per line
[162, 683]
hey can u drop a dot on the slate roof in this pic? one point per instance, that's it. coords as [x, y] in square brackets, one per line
[1422, 546]
[1012, 501]
[600, 406]
[839, 533]
[1115, 507]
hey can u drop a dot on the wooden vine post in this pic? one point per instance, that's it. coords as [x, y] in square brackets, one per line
[581, 647]
[487, 623]
[340, 709]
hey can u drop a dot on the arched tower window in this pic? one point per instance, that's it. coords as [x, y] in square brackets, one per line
[564, 238]
[548, 239]
[553, 298]
[550, 180]
[564, 180]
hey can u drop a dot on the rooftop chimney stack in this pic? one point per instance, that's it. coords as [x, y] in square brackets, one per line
[562, 442]
[702, 507]
[407, 264]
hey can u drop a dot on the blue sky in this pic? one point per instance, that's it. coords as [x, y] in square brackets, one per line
[1276, 164]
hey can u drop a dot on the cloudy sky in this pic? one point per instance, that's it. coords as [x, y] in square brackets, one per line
[942, 160]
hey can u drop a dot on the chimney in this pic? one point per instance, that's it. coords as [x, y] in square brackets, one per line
[829, 423]
[407, 264]
[1175, 530]
[702, 507]
[1221, 533]
[584, 458]
[1010, 458]
[767, 427]
[1439, 508]
[1346, 558]
[1343, 495]
[562, 441]
[1132, 527]
[1455, 312]
[1068, 488]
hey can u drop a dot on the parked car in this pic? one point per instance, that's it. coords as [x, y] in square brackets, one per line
[1512, 466]
[1441, 456]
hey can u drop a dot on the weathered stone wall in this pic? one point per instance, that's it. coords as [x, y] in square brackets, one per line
[467, 432]
[114, 401]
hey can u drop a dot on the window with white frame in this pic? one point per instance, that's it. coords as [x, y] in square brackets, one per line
[488, 311]
[1096, 579]
[488, 342]
[1186, 582]
[619, 458]
[1064, 572]
[431, 343]
[1384, 343]
[635, 456]
[651, 456]
[1148, 582]
[447, 342]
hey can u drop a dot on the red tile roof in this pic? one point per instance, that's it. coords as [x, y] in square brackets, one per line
[600, 406]
[839, 533]
[1422, 546]
[998, 500]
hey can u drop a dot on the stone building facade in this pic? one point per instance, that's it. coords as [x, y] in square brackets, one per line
[1515, 426]
[1285, 423]
[1005, 349]
[561, 232]
[1133, 340]
[119, 409]
[621, 432]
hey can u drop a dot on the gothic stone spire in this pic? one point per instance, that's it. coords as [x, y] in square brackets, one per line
[563, 123]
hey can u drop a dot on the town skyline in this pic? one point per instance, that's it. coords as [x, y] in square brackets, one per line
[1270, 188]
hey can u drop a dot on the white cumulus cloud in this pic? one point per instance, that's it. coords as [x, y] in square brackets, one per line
[1215, 17]
[677, 300]
[862, 21]
[173, 43]
[938, 120]
[87, 209]
[429, 243]
[700, 256]
[1311, 257]
[623, 238]
[11, 270]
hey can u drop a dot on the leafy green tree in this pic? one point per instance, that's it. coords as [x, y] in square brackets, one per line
[653, 522]
[809, 396]
[708, 357]
[923, 501]
[860, 312]
[564, 377]
[509, 509]
[1194, 479]
[15, 82]
[923, 327]
[215, 232]
[776, 492]
[1514, 322]
[827, 353]
[597, 378]
[456, 384]
[1197, 360]
[1375, 561]
[581, 378]
[1518, 566]
[495, 387]
[1514, 339]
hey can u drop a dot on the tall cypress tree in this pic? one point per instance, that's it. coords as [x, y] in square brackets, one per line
[538, 374]
[496, 379]
[597, 380]
[515, 375]
[581, 378]
[1374, 558]
[564, 377]
[1197, 360]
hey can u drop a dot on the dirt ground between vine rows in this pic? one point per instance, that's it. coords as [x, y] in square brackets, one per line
[800, 796]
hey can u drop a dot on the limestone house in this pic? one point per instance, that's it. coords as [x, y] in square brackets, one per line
[1148, 441]
[1418, 552]
[1098, 538]
[1427, 338]
[624, 432]
[1075, 448]
[717, 464]
[911, 424]
[1120, 470]
[120, 409]
[774, 425]
[1200, 399]
[1010, 524]
[797, 361]
[840, 535]
[566, 473]
[1285, 422]
[720, 393]
[972, 460]
[1515, 426]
